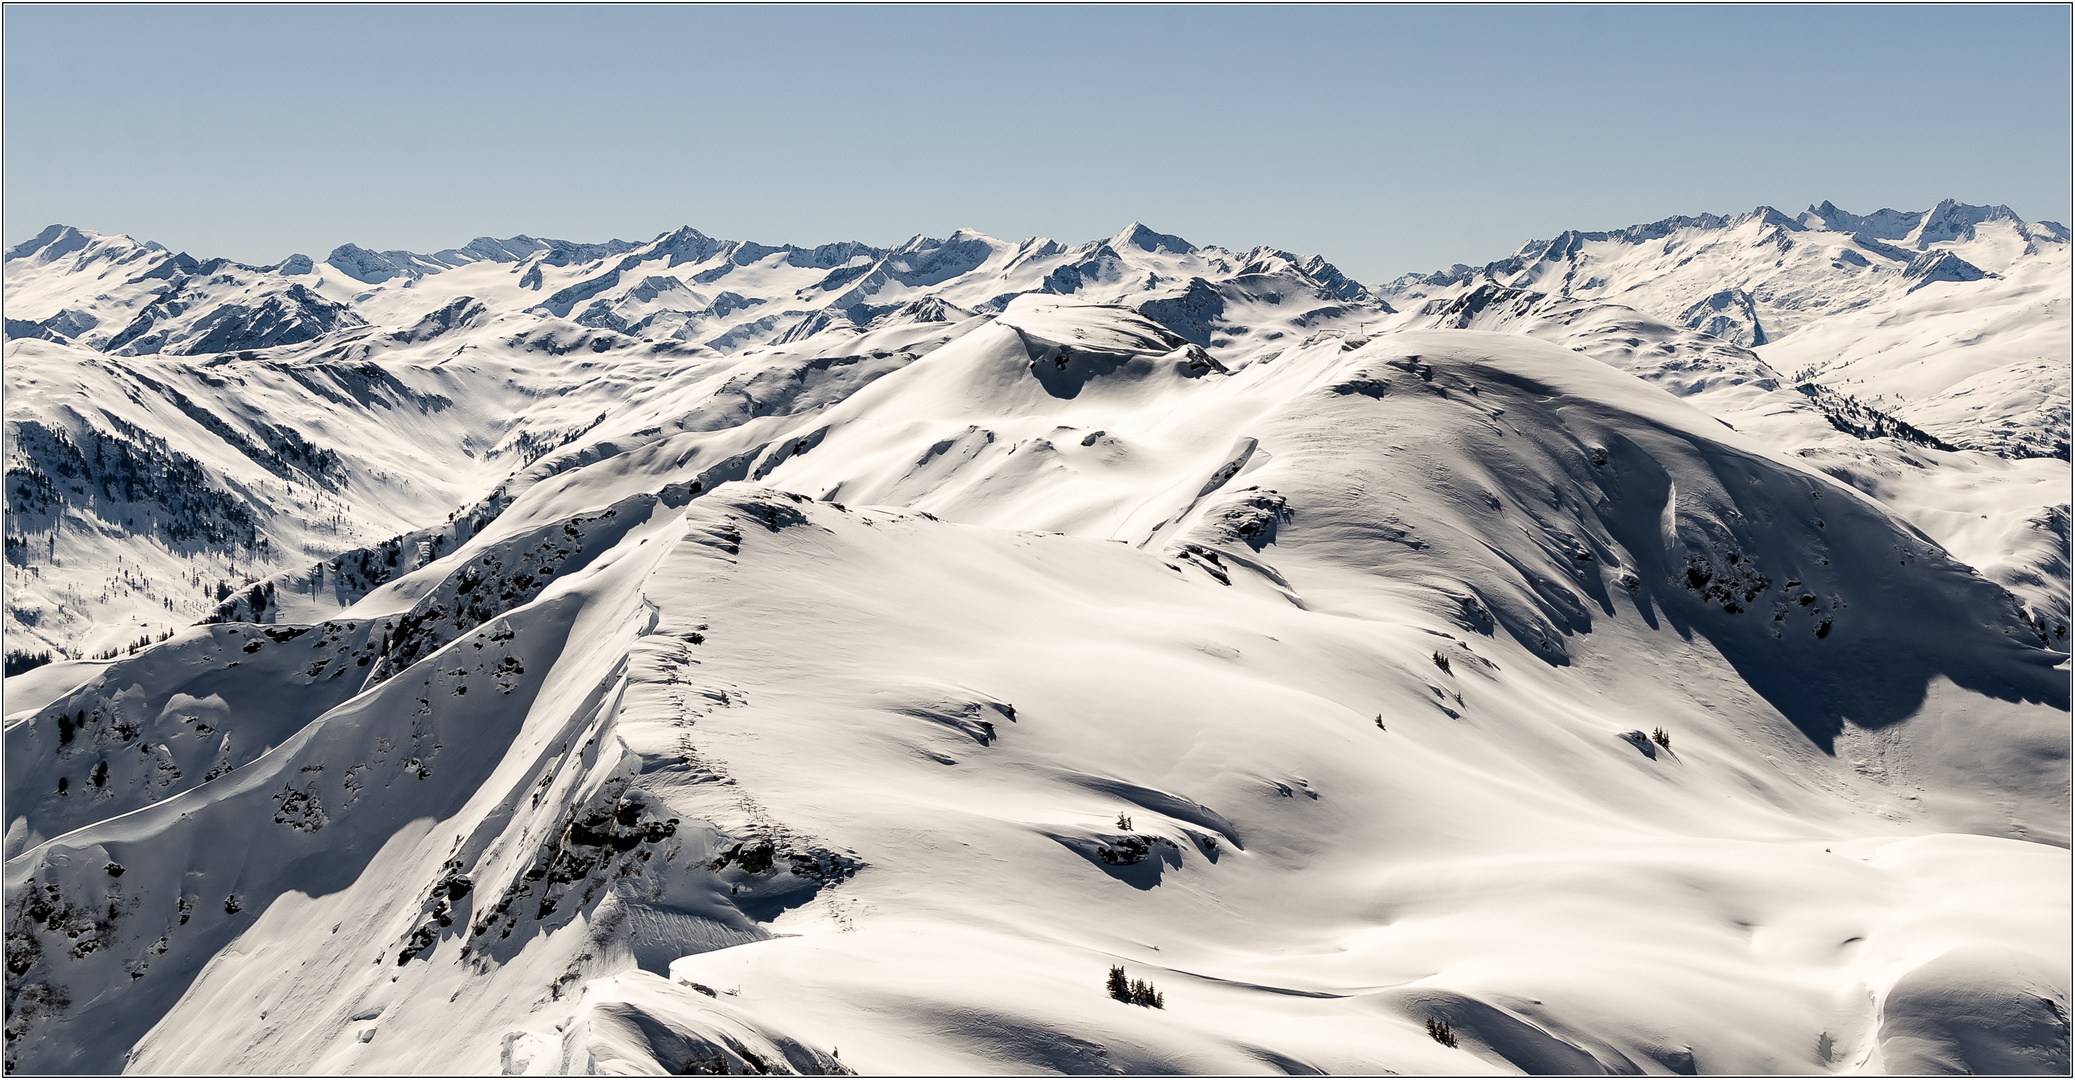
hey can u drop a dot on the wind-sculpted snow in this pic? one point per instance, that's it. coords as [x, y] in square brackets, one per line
[1978, 1011]
[1510, 681]
[606, 848]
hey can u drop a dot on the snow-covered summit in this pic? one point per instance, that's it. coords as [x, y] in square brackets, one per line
[1138, 237]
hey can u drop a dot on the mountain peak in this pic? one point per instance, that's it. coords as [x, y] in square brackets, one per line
[368, 267]
[1882, 224]
[1766, 215]
[1952, 219]
[54, 236]
[1136, 235]
[686, 245]
[57, 241]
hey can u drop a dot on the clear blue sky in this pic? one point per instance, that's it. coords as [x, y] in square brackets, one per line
[1387, 139]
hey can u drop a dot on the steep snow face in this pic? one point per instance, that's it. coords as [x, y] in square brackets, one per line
[860, 707]
[1954, 318]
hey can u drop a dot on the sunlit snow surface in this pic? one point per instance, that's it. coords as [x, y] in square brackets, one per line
[856, 701]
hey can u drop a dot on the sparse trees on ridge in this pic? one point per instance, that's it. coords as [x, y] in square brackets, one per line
[1134, 991]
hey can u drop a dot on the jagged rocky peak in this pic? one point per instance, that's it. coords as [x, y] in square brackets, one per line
[1950, 220]
[1949, 223]
[1315, 268]
[53, 242]
[929, 261]
[1882, 224]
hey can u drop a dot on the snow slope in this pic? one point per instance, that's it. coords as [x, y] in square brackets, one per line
[1984, 361]
[859, 707]
[2006, 516]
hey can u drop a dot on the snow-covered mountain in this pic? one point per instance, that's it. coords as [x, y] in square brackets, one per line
[179, 428]
[705, 656]
[1953, 319]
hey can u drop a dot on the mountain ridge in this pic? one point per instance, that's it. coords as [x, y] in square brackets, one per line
[1813, 288]
[688, 296]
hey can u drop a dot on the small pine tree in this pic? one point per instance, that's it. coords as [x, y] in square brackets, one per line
[1379, 723]
[1134, 991]
[1123, 821]
[1662, 738]
[1441, 1032]
[1441, 662]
